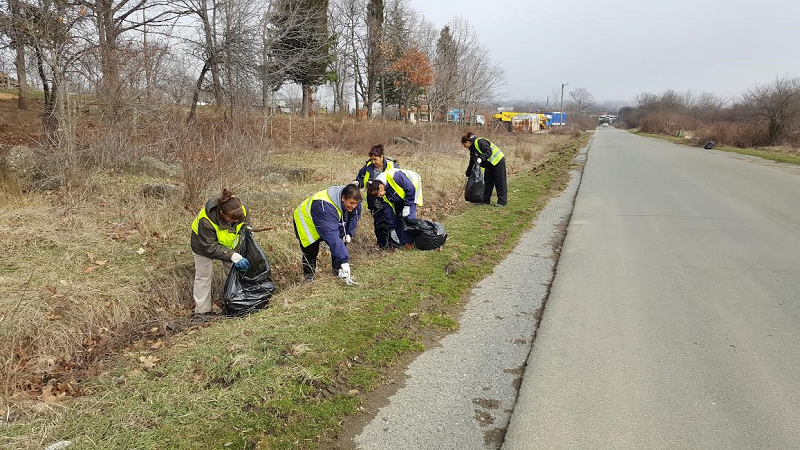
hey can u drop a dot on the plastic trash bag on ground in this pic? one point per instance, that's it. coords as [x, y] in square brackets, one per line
[473, 191]
[428, 235]
[249, 291]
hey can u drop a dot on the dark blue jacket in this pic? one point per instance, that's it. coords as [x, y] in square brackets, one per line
[330, 229]
[405, 183]
[370, 169]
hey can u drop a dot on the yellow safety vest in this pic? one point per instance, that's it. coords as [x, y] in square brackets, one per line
[497, 154]
[224, 237]
[389, 165]
[415, 180]
[304, 222]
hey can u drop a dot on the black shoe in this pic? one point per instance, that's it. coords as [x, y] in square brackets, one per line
[308, 278]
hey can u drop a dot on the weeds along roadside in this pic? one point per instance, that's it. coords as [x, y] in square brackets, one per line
[99, 267]
[285, 377]
[784, 154]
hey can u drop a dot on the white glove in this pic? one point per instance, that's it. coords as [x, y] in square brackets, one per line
[355, 183]
[394, 237]
[347, 239]
[479, 160]
[344, 271]
[235, 258]
[406, 211]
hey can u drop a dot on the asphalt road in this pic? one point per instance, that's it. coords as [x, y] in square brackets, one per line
[460, 395]
[674, 317]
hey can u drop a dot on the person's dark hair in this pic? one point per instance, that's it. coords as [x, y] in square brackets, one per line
[469, 137]
[373, 187]
[376, 150]
[230, 206]
[352, 192]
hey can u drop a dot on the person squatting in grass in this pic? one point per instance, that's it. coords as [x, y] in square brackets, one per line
[330, 216]
[375, 165]
[215, 234]
[401, 191]
[491, 158]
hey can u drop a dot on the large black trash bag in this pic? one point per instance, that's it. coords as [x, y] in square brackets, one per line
[428, 235]
[249, 291]
[473, 191]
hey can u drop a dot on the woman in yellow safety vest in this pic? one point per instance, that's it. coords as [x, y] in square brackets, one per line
[216, 232]
[376, 165]
[401, 191]
[329, 216]
[489, 156]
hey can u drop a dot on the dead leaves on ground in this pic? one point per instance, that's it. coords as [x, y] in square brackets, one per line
[149, 362]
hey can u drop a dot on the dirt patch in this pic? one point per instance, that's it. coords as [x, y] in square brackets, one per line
[494, 437]
[486, 403]
[5, 96]
[484, 418]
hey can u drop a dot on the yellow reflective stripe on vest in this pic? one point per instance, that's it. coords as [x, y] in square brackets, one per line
[415, 180]
[305, 223]
[497, 154]
[389, 165]
[224, 237]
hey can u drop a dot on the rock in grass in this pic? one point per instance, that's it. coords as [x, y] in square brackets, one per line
[46, 184]
[162, 191]
[154, 168]
[405, 140]
[19, 162]
[276, 178]
[296, 174]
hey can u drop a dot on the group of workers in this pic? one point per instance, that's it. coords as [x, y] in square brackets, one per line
[332, 215]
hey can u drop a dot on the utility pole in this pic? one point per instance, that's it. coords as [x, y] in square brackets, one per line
[561, 118]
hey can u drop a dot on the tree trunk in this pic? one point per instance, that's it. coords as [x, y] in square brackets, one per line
[383, 98]
[211, 55]
[110, 92]
[19, 47]
[308, 92]
[196, 95]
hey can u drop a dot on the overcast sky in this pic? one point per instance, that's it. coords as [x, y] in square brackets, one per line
[617, 49]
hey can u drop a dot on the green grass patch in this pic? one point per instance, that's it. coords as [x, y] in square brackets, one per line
[37, 95]
[759, 152]
[439, 320]
[282, 378]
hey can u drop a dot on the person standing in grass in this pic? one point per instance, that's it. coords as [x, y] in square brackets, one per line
[401, 191]
[330, 216]
[489, 156]
[215, 234]
[375, 165]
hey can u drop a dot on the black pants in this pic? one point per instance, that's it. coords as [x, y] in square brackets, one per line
[495, 177]
[310, 254]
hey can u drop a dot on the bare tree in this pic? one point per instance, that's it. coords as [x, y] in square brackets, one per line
[478, 77]
[777, 102]
[112, 20]
[52, 31]
[12, 24]
[582, 101]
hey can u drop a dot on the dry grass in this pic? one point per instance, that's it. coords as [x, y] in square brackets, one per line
[99, 268]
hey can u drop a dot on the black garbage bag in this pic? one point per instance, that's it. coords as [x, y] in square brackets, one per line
[709, 145]
[428, 235]
[249, 291]
[473, 191]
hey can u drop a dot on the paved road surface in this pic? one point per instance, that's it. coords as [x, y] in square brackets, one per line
[460, 395]
[674, 317]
